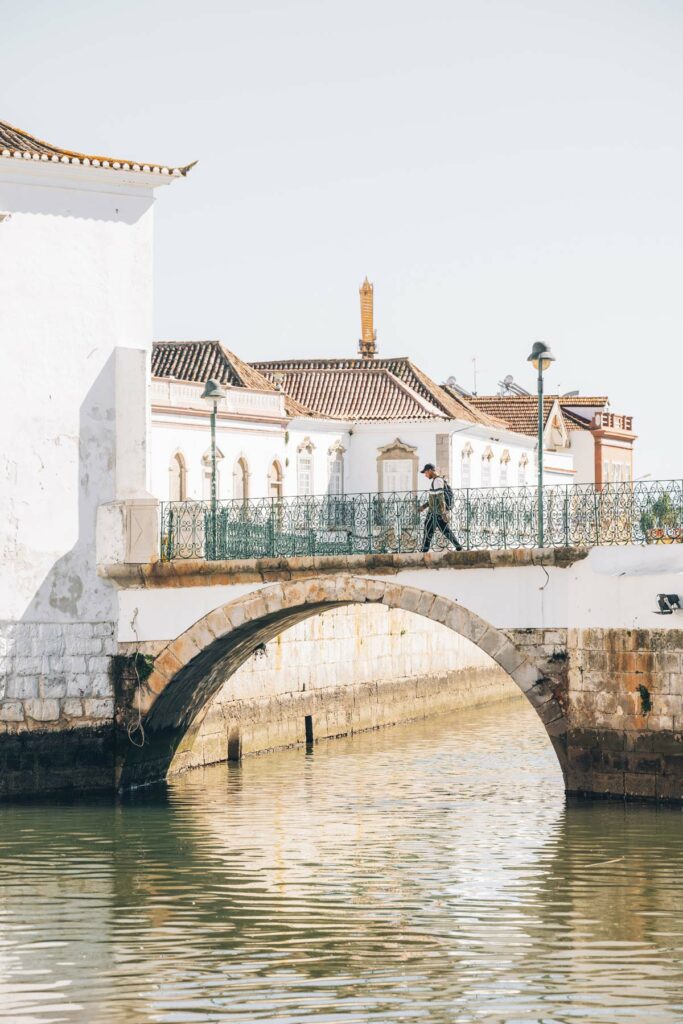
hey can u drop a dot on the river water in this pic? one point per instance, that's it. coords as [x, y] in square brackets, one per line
[431, 872]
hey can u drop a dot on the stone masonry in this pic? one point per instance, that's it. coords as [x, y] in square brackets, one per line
[353, 668]
[56, 707]
[626, 713]
[54, 675]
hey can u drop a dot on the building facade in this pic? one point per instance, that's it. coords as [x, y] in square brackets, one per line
[362, 424]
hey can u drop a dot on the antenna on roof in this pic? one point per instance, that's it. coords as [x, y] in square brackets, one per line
[452, 383]
[508, 387]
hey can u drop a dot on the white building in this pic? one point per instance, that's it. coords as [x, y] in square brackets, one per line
[326, 426]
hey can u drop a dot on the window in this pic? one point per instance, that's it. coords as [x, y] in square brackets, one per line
[504, 463]
[466, 466]
[487, 468]
[398, 475]
[275, 480]
[240, 480]
[335, 467]
[177, 478]
[397, 468]
[304, 470]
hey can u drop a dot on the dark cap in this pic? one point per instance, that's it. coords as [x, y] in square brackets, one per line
[428, 465]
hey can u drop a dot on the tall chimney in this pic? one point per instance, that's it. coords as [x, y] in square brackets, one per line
[368, 335]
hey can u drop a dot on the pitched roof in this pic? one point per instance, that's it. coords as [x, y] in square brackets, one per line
[520, 412]
[357, 394]
[196, 361]
[18, 144]
[373, 389]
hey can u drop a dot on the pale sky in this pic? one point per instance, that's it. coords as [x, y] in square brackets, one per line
[502, 171]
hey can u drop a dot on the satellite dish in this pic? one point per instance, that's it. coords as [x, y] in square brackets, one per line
[452, 382]
[570, 394]
[507, 381]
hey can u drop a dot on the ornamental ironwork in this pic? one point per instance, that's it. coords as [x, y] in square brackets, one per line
[580, 515]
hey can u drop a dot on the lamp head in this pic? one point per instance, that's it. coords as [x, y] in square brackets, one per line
[540, 353]
[213, 392]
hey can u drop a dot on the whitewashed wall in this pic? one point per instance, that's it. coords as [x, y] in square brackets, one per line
[75, 286]
[75, 335]
[583, 451]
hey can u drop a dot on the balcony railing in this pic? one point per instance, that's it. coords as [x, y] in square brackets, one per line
[644, 512]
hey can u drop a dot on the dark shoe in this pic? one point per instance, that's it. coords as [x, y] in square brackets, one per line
[458, 547]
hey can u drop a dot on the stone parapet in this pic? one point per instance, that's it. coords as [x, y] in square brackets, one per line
[199, 572]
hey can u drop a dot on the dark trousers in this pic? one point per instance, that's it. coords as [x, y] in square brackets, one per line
[434, 522]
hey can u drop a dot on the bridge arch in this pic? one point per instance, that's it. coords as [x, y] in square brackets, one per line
[191, 669]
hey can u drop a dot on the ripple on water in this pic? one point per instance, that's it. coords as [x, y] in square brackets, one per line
[429, 872]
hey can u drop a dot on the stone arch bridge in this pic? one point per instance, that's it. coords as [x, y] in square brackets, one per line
[579, 633]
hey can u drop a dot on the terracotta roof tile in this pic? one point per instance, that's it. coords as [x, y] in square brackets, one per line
[520, 412]
[347, 388]
[18, 144]
[198, 360]
[356, 394]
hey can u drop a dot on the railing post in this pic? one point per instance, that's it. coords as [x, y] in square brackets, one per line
[502, 516]
[566, 515]
[467, 518]
[370, 523]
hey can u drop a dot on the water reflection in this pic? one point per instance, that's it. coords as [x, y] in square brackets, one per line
[430, 872]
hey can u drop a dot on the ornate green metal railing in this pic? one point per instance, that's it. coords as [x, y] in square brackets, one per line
[644, 512]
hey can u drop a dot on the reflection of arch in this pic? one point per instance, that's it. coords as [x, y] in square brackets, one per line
[177, 477]
[240, 480]
[191, 669]
[275, 476]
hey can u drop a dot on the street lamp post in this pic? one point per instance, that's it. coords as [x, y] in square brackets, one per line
[541, 357]
[214, 394]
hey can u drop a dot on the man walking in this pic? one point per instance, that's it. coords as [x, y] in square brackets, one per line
[438, 512]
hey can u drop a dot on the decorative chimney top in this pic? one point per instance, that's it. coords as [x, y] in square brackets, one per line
[368, 334]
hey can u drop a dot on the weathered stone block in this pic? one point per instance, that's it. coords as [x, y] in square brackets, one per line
[73, 664]
[11, 711]
[72, 708]
[101, 708]
[42, 710]
[52, 686]
[22, 687]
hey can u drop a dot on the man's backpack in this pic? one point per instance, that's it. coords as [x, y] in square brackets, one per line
[448, 498]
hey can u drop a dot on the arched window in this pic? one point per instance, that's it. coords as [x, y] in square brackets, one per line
[504, 464]
[240, 480]
[335, 470]
[522, 470]
[304, 467]
[275, 480]
[466, 466]
[177, 478]
[487, 468]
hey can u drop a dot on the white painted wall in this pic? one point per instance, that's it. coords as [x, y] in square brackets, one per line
[259, 443]
[75, 288]
[583, 450]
